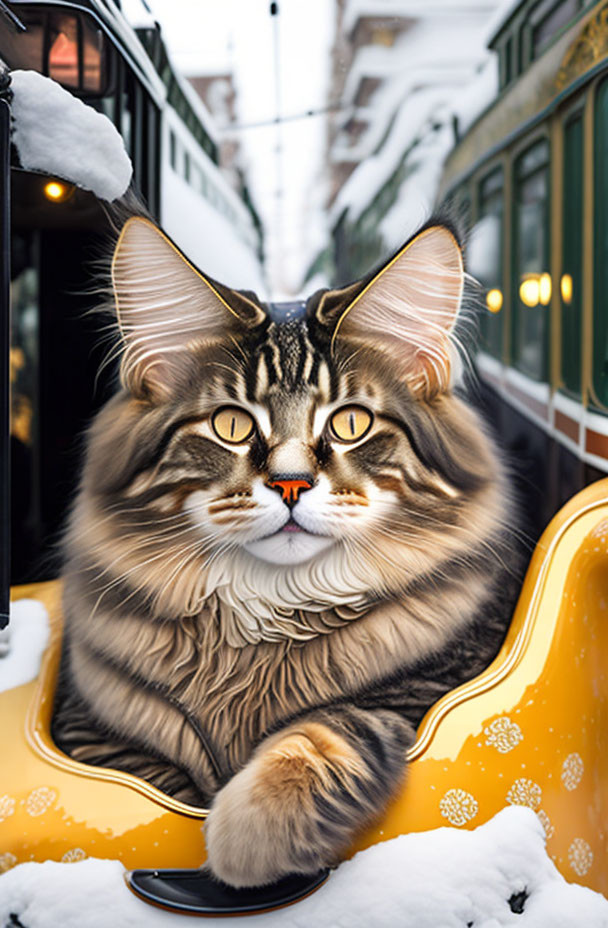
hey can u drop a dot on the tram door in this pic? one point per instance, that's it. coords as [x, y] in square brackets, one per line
[58, 348]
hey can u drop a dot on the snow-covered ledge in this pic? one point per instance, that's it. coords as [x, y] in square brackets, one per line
[497, 875]
[56, 133]
[23, 643]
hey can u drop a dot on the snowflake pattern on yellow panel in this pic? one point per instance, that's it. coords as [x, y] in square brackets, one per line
[7, 862]
[580, 856]
[458, 806]
[546, 823]
[572, 771]
[39, 800]
[7, 807]
[75, 854]
[503, 734]
[525, 792]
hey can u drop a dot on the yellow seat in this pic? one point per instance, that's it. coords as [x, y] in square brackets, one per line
[529, 731]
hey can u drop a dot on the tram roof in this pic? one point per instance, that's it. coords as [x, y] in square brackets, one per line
[124, 36]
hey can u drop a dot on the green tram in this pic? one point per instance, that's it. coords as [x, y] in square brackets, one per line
[531, 178]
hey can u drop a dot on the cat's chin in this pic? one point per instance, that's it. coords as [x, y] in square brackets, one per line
[285, 548]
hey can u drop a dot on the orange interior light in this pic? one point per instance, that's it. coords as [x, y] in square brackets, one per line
[63, 60]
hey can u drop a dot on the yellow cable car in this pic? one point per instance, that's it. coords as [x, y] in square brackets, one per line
[528, 731]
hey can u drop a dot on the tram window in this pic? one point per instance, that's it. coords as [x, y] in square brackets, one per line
[69, 47]
[508, 53]
[570, 283]
[520, 50]
[600, 297]
[124, 107]
[187, 167]
[531, 281]
[63, 51]
[25, 49]
[139, 140]
[548, 18]
[152, 156]
[485, 259]
[173, 150]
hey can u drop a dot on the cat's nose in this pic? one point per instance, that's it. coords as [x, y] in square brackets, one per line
[290, 485]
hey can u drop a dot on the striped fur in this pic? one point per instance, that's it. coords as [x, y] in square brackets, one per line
[280, 675]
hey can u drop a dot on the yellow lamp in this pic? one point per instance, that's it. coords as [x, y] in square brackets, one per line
[544, 289]
[58, 192]
[566, 288]
[494, 300]
[529, 291]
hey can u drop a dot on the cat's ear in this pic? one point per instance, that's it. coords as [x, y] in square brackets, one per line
[408, 308]
[165, 306]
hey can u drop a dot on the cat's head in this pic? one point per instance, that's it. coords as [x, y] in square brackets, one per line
[329, 440]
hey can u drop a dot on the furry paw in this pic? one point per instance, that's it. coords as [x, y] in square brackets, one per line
[266, 822]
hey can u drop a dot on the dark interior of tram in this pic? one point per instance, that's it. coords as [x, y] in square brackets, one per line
[55, 249]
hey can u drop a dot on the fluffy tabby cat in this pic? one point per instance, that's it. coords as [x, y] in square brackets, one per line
[289, 541]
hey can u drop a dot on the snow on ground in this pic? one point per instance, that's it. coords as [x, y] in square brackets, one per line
[369, 176]
[28, 635]
[58, 134]
[437, 879]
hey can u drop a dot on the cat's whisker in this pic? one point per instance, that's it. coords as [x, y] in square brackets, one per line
[195, 547]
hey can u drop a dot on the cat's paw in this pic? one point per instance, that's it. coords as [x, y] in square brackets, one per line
[266, 822]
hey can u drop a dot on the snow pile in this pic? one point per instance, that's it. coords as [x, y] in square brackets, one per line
[437, 879]
[369, 176]
[57, 134]
[28, 635]
[413, 114]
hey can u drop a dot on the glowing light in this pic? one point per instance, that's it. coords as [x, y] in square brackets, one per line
[57, 192]
[494, 300]
[566, 288]
[529, 291]
[545, 289]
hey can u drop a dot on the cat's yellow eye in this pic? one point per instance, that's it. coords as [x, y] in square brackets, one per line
[233, 424]
[351, 423]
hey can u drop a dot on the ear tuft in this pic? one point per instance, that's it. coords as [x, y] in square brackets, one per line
[410, 307]
[164, 306]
